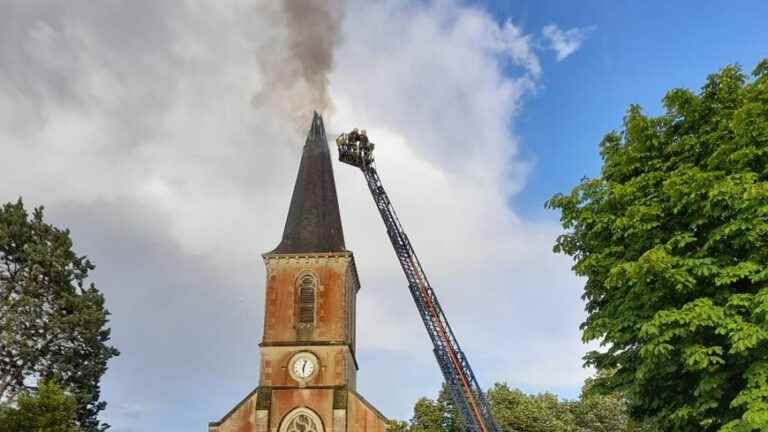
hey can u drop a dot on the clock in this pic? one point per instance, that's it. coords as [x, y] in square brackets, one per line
[303, 366]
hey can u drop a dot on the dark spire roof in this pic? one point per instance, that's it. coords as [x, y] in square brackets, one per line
[314, 223]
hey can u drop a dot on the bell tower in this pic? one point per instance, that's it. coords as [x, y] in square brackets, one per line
[308, 366]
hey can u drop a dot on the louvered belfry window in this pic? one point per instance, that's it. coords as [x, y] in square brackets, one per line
[307, 286]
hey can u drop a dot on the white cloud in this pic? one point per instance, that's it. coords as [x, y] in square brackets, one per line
[565, 43]
[133, 123]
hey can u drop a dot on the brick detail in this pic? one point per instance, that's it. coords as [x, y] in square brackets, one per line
[262, 421]
[339, 420]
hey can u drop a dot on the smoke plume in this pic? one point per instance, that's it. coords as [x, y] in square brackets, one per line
[297, 60]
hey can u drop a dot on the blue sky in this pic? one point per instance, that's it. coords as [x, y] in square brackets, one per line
[166, 135]
[636, 53]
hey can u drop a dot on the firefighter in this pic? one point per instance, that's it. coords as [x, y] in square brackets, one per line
[365, 147]
[349, 143]
[340, 142]
[344, 143]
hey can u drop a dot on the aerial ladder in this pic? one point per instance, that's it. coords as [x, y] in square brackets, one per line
[355, 149]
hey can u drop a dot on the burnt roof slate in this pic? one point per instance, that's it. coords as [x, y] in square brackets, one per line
[313, 223]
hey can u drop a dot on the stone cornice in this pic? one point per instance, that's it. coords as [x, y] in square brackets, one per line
[348, 255]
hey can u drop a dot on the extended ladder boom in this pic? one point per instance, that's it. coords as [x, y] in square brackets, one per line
[356, 150]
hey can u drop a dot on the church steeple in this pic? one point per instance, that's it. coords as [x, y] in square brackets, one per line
[313, 223]
[307, 366]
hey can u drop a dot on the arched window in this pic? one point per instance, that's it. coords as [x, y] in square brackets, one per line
[307, 287]
[301, 420]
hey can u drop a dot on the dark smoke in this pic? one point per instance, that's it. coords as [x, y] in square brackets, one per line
[316, 29]
[297, 61]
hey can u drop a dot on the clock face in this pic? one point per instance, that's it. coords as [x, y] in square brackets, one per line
[303, 366]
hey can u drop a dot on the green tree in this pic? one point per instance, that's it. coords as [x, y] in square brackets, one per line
[601, 413]
[438, 415]
[428, 416]
[397, 426]
[49, 409]
[452, 421]
[51, 324]
[672, 239]
[516, 411]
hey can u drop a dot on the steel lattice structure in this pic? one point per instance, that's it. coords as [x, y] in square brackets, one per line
[356, 150]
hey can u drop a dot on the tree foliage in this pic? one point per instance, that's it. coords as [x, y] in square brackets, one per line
[672, 239]
[516, 411]
[49, 409]
[52, 325]
[435, 415]
[397, 426]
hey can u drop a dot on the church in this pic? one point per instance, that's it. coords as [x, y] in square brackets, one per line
[308, 366]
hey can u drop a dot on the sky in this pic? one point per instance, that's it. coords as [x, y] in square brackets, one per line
[167, 134]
